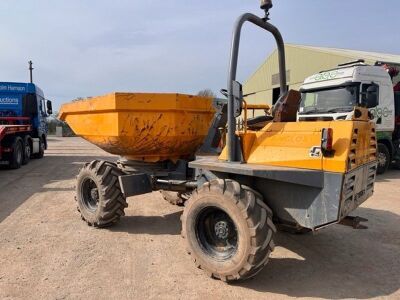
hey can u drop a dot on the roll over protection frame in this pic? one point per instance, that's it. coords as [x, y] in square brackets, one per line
[232, 142]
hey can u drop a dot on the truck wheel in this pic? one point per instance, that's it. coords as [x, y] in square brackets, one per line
[40, 154]
[175, 198]
[27, 150]
[383, 158]
[228, 230]
[100, 200]
[17, 154]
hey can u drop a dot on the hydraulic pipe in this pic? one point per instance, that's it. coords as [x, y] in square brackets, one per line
[175, 185]
[262, 23]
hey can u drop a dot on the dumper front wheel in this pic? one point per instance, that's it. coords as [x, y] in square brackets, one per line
[228, 230]
[98, 194]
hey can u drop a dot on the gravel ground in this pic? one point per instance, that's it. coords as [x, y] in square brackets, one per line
[47, 252]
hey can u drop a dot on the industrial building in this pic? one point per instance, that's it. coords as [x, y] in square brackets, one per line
[301, 62]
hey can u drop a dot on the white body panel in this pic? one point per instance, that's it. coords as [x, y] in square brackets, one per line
[365, 74]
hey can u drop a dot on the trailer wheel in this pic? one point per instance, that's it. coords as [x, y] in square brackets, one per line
[228, 230]
[17, 154]
[40, 154]
[100, 200]
[27, 150]
[383, 158]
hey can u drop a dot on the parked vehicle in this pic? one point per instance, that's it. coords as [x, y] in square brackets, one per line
[333, 94]
[23, 128]
[301, 176]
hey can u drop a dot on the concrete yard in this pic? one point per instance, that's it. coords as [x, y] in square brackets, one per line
[48, 252]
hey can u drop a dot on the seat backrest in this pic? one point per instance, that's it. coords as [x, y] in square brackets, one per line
[285, 109]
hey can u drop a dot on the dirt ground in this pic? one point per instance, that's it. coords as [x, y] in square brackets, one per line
[47, 252]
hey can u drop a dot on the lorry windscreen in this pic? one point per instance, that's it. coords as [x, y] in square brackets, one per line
[338, 99]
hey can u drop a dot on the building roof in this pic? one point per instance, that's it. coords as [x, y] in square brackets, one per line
[373, 56]
[303, 61]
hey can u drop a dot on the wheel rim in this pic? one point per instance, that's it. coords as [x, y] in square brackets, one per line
[28, 151]
[382, 159]
[19, 154]
[216, 233]
[90, 194]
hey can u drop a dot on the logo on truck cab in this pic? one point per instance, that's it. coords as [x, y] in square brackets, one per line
[327, 75]
[12, 88]
[8, 101]
[379, 112]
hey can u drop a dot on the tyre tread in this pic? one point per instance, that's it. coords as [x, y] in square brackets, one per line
[112, 209]
[259, 220]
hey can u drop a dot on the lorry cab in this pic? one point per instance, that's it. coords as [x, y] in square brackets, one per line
[25, 100]
[333, 94]
[23, 127]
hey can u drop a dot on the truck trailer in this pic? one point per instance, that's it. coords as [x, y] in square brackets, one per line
[23, 127]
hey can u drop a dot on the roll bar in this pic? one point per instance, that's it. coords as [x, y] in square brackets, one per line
[232, 142]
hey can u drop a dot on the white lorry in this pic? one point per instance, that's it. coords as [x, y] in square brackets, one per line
[332, 95]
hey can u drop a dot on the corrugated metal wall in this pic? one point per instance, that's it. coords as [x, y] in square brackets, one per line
[300, 63]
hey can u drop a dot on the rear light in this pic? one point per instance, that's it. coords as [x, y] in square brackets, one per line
[327, 141]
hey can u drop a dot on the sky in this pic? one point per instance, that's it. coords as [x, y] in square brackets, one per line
[86, 48]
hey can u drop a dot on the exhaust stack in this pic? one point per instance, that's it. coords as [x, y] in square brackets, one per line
[30, 71]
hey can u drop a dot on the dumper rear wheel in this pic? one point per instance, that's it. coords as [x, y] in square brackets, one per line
[98, 194]
[228, 230]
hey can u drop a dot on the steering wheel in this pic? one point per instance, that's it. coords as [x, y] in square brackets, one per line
[224, 92]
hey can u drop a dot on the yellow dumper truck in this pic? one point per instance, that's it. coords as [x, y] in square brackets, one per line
[240, 184]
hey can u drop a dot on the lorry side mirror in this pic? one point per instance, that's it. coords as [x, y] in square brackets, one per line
[49, 107]
[372, 96]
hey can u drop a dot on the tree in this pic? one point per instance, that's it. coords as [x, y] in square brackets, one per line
[53, 122]
[206, 93]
